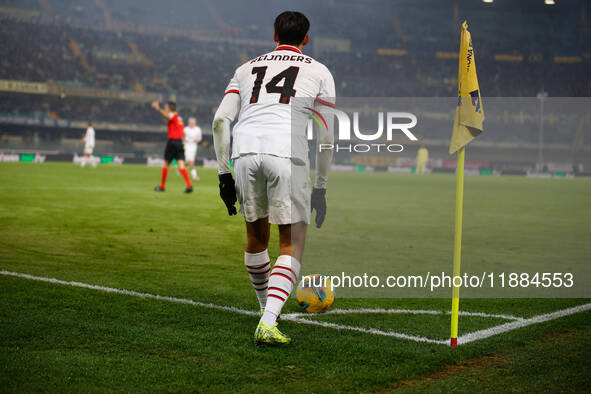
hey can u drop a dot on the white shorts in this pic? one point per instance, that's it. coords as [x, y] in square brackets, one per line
[190, 152]
[273, 186]
[88, 149]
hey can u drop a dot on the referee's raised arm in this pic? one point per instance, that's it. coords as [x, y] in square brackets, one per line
[156, 106]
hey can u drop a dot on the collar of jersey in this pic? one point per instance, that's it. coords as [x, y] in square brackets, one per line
[288, 48]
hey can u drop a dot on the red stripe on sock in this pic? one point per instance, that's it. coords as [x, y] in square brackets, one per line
[258, 267]
[285, 276]
[276, 296]
[281, 290]
[285, 268]
[259, 273]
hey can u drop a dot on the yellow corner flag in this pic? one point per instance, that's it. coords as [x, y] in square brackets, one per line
[467, 125]
[469, 112]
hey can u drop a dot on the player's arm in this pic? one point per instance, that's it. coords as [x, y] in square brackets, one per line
[224, 116]
[156, 106]
[324, 139]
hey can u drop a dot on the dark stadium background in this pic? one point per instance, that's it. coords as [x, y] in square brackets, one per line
[63, 62]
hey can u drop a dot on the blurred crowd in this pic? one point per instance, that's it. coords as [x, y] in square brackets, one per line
[79, 46]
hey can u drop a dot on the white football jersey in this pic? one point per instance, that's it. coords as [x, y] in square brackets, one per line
[192, 135]
[89, 137]
[267, 86]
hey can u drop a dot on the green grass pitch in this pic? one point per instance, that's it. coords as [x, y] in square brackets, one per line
[106, 227]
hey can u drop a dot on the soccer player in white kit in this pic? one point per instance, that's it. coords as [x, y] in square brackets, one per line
[89, 141]
[192, 137]
[270, 157]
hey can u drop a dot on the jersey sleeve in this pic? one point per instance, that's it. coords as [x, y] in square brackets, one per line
[224, 116]
[327, 93]
[324, 104]
[234, 85]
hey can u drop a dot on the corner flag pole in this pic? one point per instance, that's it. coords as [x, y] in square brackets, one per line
[455, 301]
[467, 125]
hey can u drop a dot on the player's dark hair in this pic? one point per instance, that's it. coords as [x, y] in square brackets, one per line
[172, 105]
[291, 27]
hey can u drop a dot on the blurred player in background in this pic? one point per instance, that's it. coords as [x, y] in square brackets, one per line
[192, 138]
[271, 161]
[174, 145]
[422, 159]
[89, 141]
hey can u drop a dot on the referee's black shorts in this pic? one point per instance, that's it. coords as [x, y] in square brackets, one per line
[174, 150]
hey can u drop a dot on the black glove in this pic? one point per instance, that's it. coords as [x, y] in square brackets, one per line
[318, 203]
[228, 192]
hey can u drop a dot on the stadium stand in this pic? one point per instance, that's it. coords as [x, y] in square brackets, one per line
[116, 46]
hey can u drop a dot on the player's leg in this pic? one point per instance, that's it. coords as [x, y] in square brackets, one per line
[192, 171]
[194, 174]
[168, 156]
[282, 281]
[292, 238]
[185, 174]
[289, 207]
[257, 235]
[180, 160]
[251, 192]
[256, 257]
[190, 152]
[86, 155]
[286, 270]
[163, 176]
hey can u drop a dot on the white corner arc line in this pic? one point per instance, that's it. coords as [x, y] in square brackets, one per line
[489, 332]
[410, 312]
[364, 330]
[294, 317]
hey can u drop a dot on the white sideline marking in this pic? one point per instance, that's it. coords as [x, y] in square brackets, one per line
[131, 293]
[489, 332]
[518, 322]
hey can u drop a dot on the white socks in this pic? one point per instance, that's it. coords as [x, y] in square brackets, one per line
[194, 173]
[284, 277]
[272, 287]
[258, 266]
